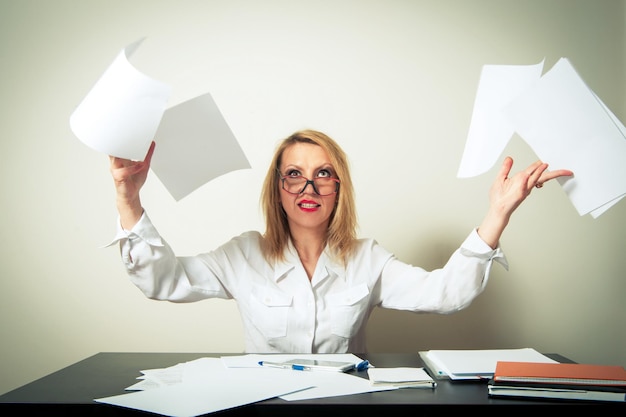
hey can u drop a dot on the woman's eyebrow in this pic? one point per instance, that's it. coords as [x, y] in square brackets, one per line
[325, 165]
[292, 166]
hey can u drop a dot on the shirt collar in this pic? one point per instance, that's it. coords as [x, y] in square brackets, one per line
[326, 266]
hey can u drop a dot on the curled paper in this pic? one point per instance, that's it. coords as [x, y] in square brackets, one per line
[126, 110]
[121, 113]
[561, 119]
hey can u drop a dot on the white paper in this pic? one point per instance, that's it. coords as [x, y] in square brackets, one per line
[211, 384]
[323, 384]
[194, 145]
[154, 378]
[121, 113]
[332, 384]
[126, 110]
[209, 387]
[473, 364]
[401, 377]
[252, 360]
[490, 130]
[561, 119]
[568, 126]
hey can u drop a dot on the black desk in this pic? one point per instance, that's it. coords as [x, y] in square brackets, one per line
[71, 390]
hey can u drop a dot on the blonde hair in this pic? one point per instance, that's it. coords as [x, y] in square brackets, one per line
[341, 235]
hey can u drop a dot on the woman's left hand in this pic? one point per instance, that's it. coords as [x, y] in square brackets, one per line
[507, 193]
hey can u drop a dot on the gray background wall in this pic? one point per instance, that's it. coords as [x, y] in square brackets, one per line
[394, 82]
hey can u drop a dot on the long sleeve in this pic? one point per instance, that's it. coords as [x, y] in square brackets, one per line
[445, 290]
[155, 269]
[281, 310]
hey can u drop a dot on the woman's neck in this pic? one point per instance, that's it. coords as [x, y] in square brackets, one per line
[309, 246]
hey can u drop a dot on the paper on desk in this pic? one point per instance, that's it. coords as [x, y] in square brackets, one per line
[401, 377]
[155, 378]
[332, 384]
[252, 360]
[126, 110]
[564, 123]
[209, 387]
[323, 384]
[478, 363]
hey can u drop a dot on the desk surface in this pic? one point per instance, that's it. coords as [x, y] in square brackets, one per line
[71, 390]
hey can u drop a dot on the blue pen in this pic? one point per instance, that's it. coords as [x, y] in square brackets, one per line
[275, 365]
[363, 365]
[284, 366]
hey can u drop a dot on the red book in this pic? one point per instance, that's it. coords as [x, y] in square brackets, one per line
[560, 373]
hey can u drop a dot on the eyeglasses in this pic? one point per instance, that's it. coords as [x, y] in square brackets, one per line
[322, 186]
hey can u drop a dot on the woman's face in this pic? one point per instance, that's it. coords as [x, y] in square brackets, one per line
[306, 210]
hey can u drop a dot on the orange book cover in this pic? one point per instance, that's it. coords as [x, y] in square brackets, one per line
[562, 373]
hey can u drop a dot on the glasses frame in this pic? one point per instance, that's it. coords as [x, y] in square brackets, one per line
[308, 181]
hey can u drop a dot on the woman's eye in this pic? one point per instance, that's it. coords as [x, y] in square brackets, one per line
[324, 173]
[293, 173]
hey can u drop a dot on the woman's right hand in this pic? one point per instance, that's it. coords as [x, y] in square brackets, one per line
[128, 177]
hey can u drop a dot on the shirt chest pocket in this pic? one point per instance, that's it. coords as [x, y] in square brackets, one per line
[270, 309]
[348, 309]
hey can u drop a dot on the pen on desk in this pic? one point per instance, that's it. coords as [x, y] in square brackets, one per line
[275, 365]
[284, 366]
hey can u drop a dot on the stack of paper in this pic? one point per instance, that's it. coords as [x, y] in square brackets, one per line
[401, 377]
[475, 364]
[570, 381]
[207, 385]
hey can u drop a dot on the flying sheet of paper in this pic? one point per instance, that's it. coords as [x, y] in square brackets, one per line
[193, 146]
[126, 110]
[121, 113]
[564, 123]
[568, 126]
[490, 130]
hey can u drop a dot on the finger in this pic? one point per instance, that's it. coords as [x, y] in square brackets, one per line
[505, 170]
[148, 157]
[550, 175]
[117, 162]
[534, 177]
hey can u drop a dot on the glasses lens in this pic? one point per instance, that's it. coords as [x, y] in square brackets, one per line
[323, 185]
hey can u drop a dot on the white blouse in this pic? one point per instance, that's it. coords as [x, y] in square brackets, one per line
[281, 310]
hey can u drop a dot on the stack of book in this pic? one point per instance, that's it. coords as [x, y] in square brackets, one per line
[564, 381]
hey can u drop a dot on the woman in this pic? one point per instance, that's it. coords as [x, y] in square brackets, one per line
[308, 285]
